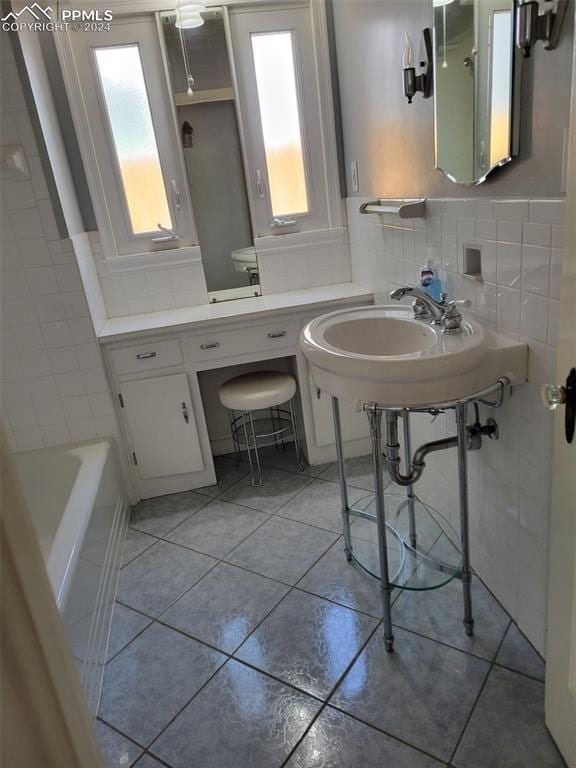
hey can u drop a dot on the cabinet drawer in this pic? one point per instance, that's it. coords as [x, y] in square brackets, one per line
[245, 341]
[146, 357]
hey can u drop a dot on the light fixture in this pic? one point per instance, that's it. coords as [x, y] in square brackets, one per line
[531, 25]
[421, 82]
[188, 19]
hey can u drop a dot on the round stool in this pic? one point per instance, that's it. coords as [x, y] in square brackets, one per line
[261, 391]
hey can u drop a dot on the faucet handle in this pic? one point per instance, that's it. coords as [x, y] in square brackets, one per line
[465, 303]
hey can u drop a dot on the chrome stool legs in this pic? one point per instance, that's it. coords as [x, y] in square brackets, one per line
[280, 424]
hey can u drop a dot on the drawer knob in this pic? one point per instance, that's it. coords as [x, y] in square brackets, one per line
[212, 345]
[145, 355]
[278, 335]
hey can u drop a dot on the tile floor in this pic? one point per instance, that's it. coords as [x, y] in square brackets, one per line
[242, 639]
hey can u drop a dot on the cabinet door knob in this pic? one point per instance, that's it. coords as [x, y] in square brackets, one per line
[277, 335]
[145, 355]
[211, 345]
[184, 408]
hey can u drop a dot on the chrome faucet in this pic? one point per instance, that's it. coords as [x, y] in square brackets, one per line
[442, 312]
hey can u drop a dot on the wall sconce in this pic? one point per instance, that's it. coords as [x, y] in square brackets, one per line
[422, 82]
[532, 25]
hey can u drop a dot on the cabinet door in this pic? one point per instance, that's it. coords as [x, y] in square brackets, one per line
[354, 424]
[162, 426]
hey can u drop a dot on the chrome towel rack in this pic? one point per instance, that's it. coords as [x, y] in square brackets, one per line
[405, 209]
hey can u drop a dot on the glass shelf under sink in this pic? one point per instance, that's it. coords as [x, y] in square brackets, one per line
[433, 562]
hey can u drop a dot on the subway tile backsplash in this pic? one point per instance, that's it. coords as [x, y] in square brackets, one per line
[520, 243]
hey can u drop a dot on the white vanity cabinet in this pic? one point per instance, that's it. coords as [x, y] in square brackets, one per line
[162, 424]
[156, 373]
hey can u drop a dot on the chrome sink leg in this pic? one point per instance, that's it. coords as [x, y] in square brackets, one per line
[409, 488]
[464, 529]
[375, 421]
[342, 478]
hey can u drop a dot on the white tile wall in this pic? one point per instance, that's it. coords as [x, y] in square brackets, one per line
[310, 267]
[152, 290]
[521, 243]
[155, 290]
[53, 387]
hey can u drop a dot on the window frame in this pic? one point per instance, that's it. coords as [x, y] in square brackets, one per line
[122, 248]
[112, 146]
[308, 26]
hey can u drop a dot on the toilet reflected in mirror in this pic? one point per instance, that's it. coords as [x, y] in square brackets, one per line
[204, 99]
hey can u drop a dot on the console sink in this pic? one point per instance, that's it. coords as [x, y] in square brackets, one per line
[383, 354]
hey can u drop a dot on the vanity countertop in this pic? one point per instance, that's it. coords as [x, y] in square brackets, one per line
[316, 299]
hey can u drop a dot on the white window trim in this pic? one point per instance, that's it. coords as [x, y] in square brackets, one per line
[322, 81]
[111, 261]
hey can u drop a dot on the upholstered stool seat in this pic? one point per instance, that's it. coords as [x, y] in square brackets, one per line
[258, 390]
[261, 391]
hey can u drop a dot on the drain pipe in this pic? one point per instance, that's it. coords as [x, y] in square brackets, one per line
[418, 463]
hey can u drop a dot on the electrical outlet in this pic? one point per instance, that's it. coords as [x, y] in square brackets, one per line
[354, 174]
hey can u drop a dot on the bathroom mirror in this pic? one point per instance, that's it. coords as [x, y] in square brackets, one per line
[475, 66]
[197, 54]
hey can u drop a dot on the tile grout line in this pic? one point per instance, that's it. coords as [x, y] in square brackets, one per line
[291, 588]
[325, 703]
[477, 699]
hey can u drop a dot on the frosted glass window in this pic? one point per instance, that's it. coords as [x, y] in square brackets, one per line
[502, 47]
[280, 115]
[126, 99]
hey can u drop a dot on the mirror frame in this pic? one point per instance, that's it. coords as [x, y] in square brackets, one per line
[516, 83]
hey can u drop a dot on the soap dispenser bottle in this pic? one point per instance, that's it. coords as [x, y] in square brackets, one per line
[430, 281]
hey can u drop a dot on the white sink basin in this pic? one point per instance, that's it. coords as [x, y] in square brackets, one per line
[382, 354]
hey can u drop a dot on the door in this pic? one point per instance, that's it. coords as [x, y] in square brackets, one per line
[561, 641]
[162, 426]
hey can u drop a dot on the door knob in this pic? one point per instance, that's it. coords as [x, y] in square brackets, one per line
[553, 396]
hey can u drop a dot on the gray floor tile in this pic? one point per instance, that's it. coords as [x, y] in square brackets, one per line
[428, 529]
[517, 653]
[286, 460]
[336, 579]
[225, 606]
[228, 472]
[160, 515]
[438, 614]
[282, 549]
[161, 575]
[148, 683]
[126, 624]
[358, 473]
[422, 693]
[307, 642]
[241, 719]
[217, 528]
[117, 751]
[507, 726]
[338, 741]
[277, 488]
[135, 543]
[146, 761]
[318, 504]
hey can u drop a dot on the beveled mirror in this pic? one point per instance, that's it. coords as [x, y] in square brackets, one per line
[475, 83]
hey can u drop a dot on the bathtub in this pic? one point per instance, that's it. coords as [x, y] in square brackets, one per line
[79, 511]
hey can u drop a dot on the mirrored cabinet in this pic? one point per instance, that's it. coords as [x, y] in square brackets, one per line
[476, 73]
